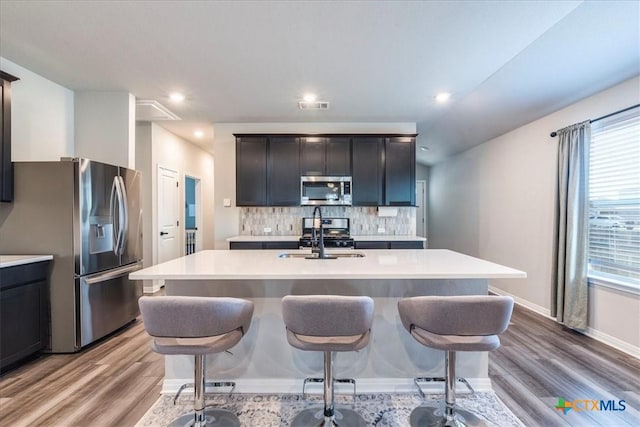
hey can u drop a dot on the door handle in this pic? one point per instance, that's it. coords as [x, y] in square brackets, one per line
[124, 218]
[115, 233]
[163, 233]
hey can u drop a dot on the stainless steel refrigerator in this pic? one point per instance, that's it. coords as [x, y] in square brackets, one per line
[88, 215]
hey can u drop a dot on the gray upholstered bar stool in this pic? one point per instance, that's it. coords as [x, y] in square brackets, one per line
[197, 326]
[328, 323]
[454, 323]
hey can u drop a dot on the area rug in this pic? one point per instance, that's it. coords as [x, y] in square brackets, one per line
[277, 410]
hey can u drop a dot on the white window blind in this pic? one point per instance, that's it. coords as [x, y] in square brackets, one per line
[614, 198]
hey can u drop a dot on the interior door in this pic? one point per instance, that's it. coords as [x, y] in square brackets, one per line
[168, 215]
[421, 211]
[131, 245]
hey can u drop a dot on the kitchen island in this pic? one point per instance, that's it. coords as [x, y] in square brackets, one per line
[263, 362]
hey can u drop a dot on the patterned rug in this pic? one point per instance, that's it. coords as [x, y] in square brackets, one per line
[382, 409]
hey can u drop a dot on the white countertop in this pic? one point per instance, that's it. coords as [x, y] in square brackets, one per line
[377, 264]
[13, 260]
[378, 238]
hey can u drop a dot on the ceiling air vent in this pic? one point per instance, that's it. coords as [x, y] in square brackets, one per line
[313, 105]
[151, 111]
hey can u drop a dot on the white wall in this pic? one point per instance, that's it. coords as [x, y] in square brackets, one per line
[157, 146]
[105, 127]
[144, 164]
[228, 218]
[496, 201]
[41, 116]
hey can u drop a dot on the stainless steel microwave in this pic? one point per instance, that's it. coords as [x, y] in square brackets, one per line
[325, 190]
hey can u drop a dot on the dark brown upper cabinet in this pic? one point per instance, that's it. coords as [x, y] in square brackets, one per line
[283, 172]
[367, 170]
[400, 171]
[328, 156]
[6, 167]
[251, 171]
[268, 167]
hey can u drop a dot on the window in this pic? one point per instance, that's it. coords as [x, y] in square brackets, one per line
[614, 199]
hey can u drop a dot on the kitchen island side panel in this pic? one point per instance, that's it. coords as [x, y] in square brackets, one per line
[263, 360]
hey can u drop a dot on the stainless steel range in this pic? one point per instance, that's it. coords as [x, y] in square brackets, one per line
[336, 233]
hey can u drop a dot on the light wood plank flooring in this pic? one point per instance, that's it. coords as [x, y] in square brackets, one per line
[114, 382]
[540, 360]
[111, 383]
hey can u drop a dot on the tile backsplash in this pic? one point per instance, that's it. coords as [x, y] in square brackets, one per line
[286, 221]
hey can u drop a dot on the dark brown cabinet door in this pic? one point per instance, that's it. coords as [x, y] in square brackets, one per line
[251, 171]
[372, 245]
[338, 154]
[325, 156]
[313, 156]
[283, 171]
[400, 171]
[367, 170]
[23, 312]
[6, 167]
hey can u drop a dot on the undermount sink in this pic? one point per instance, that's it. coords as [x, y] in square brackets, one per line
[315, 255]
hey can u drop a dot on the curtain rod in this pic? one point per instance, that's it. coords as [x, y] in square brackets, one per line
[554, 134]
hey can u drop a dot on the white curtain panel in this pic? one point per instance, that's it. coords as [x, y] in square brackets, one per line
[569, 301]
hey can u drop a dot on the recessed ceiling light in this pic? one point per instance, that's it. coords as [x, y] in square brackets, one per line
[198, 133]
[443, 97]
[176, 97]
[309, 97]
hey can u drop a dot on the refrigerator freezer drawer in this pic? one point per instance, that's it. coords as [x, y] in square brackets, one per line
[108, 300]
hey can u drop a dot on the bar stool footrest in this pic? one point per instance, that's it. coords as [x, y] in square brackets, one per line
[206, 384]
[418, 380]
[321, 380]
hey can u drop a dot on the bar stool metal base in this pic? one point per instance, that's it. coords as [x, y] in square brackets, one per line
[314, 417]
[433, 416]
[213, 418]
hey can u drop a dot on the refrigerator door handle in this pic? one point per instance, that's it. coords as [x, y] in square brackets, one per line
[116, 272]
[124, 217]
[115, 233]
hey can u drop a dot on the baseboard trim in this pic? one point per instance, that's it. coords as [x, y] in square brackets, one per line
[524, 303]
[614, 342]
[364, 385]
[152, 286]
[597, 335]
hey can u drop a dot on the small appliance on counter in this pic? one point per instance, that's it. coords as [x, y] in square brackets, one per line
[336, 233]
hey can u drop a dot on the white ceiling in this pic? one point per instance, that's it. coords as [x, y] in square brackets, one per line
[506, 63]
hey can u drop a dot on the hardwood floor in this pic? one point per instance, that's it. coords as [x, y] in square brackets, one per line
[540, 361]
[114, 382]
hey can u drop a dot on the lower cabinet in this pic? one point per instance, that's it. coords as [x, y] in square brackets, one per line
[390, 244]
[23, 312]
[371, 245]
[264, 245]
